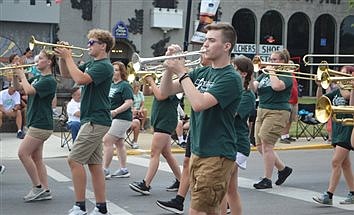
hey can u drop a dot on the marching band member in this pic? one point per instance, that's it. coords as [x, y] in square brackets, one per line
[40, 91]
[95, 116]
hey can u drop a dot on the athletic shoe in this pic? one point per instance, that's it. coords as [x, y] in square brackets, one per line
[47, 195]
[174, 187]
[20, 135]
[33, 194]
[283, 175]
[140, 187]
[97, 212]
[75, 210]
[348, 200]
[121, 174]
[135, 145]
[2, 169]
[265, 183]
[323, 199]
[107, 173]
[285, 141]
[172, 206]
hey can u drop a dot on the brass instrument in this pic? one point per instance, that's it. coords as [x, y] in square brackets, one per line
[142, 75]
[33, 42]
[8, 70]
[343, 82]
[308, 63]
[324, 111]
[188, 64]
[138, 62]
[289, 68]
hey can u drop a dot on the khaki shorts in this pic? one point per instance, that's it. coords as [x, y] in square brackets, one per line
[87, 148]
[119, 128]
[38, 133]
[209, 181]
[293, 112]
[270, 124]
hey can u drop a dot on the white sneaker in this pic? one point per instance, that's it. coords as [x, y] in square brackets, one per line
[33, 194]
[107, 173]
[75, 210]
[97, 212]
[135, 145]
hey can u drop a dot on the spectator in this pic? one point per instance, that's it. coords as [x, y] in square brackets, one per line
[139, 112]
[73, 111]
[10, 106]
[27, 57]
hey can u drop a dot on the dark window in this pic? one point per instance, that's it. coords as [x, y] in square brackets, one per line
[346, 42]
[271, 28]
[32, 2]
[165, 3]
[244, 22]
[324, 37]
[298, 43]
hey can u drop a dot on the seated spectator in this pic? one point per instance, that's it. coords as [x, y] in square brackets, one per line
[73, 111]
[10, 106]
[139, 112]
[182, 125]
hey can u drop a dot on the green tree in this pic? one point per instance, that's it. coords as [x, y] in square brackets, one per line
[351, 3]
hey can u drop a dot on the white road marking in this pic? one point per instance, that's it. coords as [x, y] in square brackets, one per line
[56, 175]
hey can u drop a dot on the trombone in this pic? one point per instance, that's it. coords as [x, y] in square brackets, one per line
[324, 111]
[33, 42]
[288, 68]
[138, 62]
[308, 63]
[324, 72]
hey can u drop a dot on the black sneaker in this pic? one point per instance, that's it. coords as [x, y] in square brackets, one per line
[140, 187]
[173, 187]
[172, 206]
[265, 183]
[291, 139]
[182, 145]
[283, 175]
[285, 141]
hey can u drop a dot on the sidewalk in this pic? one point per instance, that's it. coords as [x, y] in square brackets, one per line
[9, 145]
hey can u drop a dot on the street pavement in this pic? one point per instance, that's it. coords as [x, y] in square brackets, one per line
[9, 145]
[310, 177]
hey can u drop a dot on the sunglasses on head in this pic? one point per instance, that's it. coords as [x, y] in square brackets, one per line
[91, 42]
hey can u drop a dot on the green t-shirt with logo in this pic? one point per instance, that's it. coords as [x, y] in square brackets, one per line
[212, 131]
[164, 114]
[271, 99]
[39, 106]
[118, 93]
[340, 133]
[95, 105]
[245, 109]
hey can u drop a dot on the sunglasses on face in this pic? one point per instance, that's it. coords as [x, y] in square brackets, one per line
[91, 42]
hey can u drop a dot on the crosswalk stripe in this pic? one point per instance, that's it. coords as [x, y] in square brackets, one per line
[56, 175]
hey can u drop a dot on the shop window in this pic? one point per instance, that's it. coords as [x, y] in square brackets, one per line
[298, 43]
[324, 37]
[346, 41]
[271, 28]
[244, 21]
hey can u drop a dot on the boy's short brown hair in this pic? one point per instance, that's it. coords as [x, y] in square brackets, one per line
[103, 36]
[228, 32]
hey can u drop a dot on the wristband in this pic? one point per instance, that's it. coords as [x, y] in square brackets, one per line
[185, 75]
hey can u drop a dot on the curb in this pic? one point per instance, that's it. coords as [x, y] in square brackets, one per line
[279, 148]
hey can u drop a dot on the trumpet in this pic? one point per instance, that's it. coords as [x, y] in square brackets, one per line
[308, 63]
[324, 72]
[324, 111]
[188, 64]
[17, 66]
[288, 68]
[138, 62]
[33, 42]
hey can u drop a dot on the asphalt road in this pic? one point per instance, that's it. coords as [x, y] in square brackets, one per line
[310, 176]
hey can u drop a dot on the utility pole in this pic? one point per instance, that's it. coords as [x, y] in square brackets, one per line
[188, 22]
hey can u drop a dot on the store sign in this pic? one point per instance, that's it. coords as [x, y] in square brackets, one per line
[249, 48]
[120, 30]
[320, 1]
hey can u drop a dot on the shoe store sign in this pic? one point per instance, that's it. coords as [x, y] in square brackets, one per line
[264, 50]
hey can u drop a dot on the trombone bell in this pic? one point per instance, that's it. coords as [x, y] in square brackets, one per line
[324, 111]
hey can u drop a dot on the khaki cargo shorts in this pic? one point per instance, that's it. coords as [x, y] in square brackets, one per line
[209, 181]
[38, 133]
[87, 148]
[270, 124]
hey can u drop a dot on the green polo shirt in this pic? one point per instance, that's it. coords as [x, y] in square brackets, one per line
[118, 93]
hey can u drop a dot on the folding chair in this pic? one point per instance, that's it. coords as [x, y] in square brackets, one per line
[129, 139]
[65, 133]
[307, 125]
